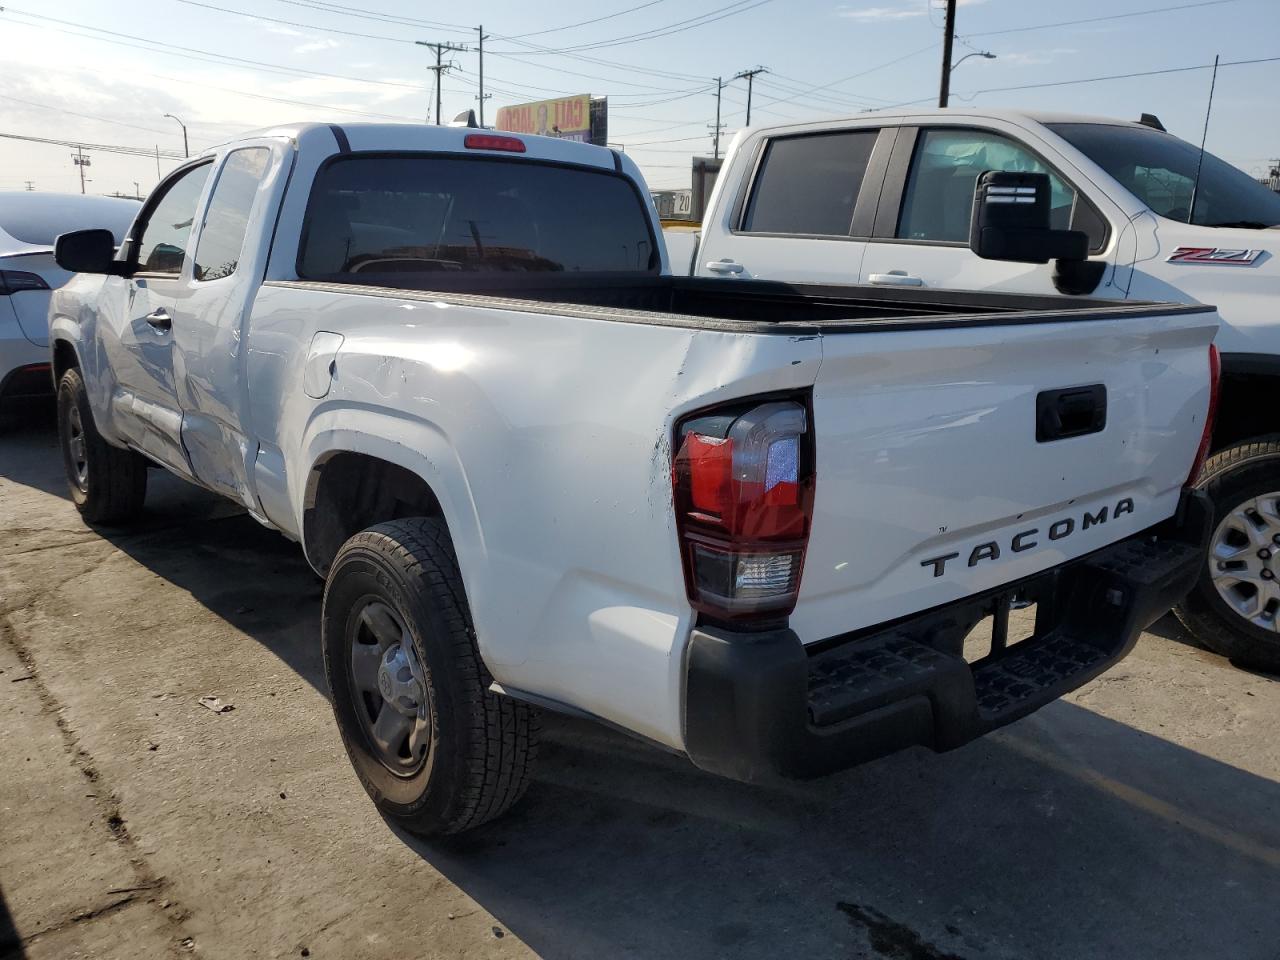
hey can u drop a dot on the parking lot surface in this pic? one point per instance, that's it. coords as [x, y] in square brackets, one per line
[1138, 818]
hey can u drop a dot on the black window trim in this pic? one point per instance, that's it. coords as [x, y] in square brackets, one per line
[655, 259]
[868, 192]
[213, 190]
[143, 220]
[894, 194]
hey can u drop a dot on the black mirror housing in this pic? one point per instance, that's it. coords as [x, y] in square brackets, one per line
[1010, 221]
[86, 251]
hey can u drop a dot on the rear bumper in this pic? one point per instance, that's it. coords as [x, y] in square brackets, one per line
[762, 705]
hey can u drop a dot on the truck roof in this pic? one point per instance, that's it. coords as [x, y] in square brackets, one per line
[1012, 116]
[422, 136]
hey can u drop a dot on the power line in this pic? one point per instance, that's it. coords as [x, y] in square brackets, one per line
[584, 23]
[1114, 76]
[1114, 16]
[680, 26]
[294, 23]
[190, 51]
[147, 152]
[83, 116]
[345, 11]
[854, 76]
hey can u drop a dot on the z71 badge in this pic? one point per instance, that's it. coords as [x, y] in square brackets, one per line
[1222, 255]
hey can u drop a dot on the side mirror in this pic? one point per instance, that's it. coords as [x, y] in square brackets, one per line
[1011, 221]
[86, 251]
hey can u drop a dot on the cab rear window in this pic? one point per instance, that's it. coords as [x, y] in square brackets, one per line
[379, 214]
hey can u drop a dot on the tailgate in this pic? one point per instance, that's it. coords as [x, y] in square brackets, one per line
[932, 484]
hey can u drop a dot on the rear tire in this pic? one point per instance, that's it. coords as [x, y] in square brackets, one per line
[1238, 613]
[436, 751]
[108, 485]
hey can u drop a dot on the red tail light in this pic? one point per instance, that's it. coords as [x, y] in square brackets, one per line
[489, 141]
[743, 477]
[1206, 437]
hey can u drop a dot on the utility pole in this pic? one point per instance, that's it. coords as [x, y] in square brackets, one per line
[944, 88]
[750, 75]
[31, 185]
[137, 190]
[81, 161]
[719, 126]
[483, 97]
[440, 67]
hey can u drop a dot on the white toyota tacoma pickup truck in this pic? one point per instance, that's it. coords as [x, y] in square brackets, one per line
[749, 522]
[885, 198]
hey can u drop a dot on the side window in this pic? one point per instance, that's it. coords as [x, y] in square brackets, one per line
[939, 194]
[809, 184]
[163, 244]
[226, 219]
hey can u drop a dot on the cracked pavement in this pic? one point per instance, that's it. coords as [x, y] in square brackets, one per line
[1139, 818]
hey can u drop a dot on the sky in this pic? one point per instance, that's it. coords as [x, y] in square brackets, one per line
[106, 73]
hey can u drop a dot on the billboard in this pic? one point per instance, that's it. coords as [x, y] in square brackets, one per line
[568, 118]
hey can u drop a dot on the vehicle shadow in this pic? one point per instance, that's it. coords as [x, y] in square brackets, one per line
[1066, 835]
[10, 940]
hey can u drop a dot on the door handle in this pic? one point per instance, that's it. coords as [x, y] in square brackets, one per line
[725, 266]
[159, 319]
[896, 278]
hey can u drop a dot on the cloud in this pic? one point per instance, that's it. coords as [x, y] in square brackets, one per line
[901, 10]
[278, 29]
[873, 14]
[1030, 58]
[314, 46]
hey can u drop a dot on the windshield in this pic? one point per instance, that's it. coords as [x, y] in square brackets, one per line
[421, 214]
[1160, 170]
[40, 218]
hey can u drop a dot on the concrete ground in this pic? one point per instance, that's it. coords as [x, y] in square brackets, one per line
[1139, 818]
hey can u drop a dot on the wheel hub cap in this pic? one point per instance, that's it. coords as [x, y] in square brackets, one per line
[390, 689]
[1243, 561]
[397, 681]
[76, 448]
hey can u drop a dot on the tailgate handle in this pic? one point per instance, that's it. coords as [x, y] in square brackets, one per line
[1071, 412]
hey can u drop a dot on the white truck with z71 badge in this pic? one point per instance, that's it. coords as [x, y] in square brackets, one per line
[884, 199]
[751, 522]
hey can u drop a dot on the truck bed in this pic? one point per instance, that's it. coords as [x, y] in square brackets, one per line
[756, 306]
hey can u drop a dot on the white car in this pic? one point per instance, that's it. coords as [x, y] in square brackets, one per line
[885, 199]
[29, 224]
[752, 522]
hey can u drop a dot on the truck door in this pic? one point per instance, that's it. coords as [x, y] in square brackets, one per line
[921, 230]
[805, 210]
[211, 307]
[135, 323]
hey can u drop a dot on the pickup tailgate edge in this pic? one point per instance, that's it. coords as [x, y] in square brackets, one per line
[932, 484]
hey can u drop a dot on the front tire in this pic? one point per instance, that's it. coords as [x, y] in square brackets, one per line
[1234, 608]
[108, 484]
[436, 751]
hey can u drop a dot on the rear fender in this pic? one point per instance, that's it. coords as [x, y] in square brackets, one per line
[415, 445]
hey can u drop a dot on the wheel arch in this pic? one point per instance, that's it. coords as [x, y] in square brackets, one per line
[348, 491]
[361, 466]
[1247, 408]
[65, 356]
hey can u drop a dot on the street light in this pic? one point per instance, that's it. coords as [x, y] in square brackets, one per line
[984, 54]
[186, 151]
